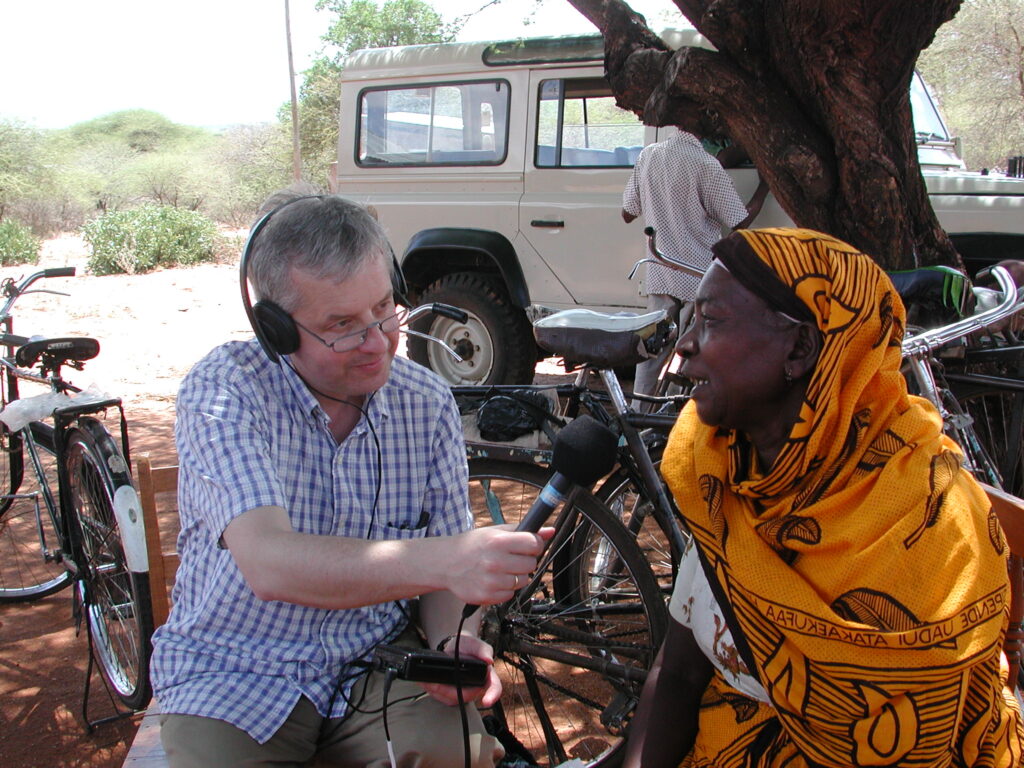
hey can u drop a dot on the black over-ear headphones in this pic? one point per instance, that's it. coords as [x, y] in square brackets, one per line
[275, 329]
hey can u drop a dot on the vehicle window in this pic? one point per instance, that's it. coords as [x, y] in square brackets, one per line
[579, 126]
[444, 124]
[928, 123]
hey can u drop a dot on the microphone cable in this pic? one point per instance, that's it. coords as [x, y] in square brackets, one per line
[463, 717]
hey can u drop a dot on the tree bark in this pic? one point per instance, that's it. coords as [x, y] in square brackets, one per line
[815, 91]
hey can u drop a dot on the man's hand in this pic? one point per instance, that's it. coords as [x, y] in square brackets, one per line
[489, 564]
[487, 694]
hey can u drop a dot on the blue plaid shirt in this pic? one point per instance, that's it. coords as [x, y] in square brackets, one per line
[249, 434]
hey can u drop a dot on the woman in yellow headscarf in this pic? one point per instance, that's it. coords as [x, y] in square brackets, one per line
[844, 600]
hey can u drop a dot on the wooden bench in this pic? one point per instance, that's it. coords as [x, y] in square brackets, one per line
[1010, 511]
[156, 485]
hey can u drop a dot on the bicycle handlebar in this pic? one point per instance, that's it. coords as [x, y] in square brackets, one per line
[59, 272]
[447, 310]
[927, 341]
[657, 257]
[437, 308]
[13, 340]
[13, 291]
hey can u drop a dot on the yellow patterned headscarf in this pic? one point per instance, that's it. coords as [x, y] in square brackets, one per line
[864, 568]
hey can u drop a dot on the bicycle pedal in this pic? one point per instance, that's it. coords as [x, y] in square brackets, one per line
[615, 716]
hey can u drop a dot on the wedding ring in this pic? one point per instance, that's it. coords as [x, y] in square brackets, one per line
[515, 584]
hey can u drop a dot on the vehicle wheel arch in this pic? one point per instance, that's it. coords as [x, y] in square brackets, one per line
[464, 250]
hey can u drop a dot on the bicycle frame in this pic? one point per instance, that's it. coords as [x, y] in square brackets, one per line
[94, 509]
[127, 510]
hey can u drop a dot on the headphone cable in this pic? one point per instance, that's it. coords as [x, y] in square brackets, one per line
[373, 433]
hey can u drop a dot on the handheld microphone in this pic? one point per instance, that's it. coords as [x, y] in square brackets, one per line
[582, 453]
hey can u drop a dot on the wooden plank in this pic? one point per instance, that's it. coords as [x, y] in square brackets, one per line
[146, 750]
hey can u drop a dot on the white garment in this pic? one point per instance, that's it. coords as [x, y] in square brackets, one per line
[686, 195]
[693, 605]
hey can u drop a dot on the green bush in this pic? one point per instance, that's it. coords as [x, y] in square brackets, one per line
[147, 237]
[17, 244]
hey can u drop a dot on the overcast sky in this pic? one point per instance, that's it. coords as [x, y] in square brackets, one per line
[198, 62]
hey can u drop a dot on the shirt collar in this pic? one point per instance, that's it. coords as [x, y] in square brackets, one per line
[377, 405]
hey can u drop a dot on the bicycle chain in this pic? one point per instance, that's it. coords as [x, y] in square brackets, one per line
[584, 638]
[525, 669]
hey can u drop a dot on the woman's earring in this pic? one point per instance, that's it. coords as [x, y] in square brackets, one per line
[787, 375]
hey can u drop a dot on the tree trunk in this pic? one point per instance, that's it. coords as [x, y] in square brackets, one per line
[816, 92]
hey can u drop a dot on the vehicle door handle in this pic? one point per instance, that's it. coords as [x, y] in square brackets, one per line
[545, 223]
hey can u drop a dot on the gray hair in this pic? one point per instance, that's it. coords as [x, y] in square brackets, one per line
[326, 236]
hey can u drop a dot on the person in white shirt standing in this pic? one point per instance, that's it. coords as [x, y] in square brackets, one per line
[685, 194]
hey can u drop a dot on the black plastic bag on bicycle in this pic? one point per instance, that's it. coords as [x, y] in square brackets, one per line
[514, 413]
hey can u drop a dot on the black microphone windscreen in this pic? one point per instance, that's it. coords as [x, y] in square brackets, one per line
[584, 451]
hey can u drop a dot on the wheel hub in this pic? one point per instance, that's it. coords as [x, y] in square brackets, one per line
[464, 348]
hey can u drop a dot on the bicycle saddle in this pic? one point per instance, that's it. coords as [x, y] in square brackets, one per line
[57, 351]
[600, 339]
[600, 321]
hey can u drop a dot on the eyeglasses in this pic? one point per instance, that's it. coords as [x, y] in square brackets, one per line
[350, 341]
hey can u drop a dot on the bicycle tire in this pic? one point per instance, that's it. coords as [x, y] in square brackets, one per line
[30, 568]
[117, 600]
[998, 416]
[12, 465]
[11, 451]
[571, 653]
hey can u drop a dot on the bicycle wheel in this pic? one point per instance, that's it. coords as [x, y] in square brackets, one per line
[960, 425]
[624, 497]
[572, 652]
[117, 600]
[998, 421]
[31, 561]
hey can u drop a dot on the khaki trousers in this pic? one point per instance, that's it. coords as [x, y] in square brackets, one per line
[424, 733]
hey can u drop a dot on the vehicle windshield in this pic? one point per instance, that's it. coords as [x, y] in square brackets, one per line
[928, 123]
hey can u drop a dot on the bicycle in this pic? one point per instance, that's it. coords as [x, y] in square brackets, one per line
[69, 513]
[574, 646]
[505, 479]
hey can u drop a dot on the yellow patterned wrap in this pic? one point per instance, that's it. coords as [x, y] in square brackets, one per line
[865, 569]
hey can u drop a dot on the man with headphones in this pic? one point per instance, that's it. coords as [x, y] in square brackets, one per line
[322, 485]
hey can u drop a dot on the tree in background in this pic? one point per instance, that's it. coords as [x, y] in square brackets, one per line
[976, 67]
[36, 180]
[21, 162]
[132, 156]
[816, 93]
[141, 130]
[249, 162]
[359, 24]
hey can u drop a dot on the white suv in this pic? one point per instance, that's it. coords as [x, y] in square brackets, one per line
[497, 169]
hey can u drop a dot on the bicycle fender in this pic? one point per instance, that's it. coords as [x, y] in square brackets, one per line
[128, 512]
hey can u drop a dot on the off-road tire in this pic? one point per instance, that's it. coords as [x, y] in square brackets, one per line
[496, 341]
